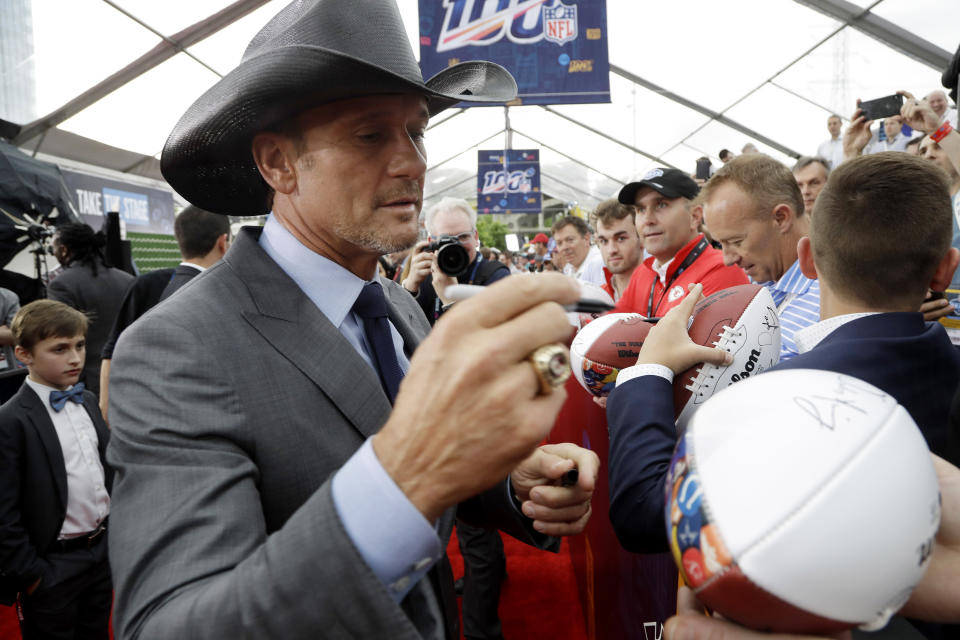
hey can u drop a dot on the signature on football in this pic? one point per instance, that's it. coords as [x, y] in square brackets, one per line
[828, 409]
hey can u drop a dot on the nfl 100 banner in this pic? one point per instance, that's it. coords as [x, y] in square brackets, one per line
[508, 181]
[556, 49]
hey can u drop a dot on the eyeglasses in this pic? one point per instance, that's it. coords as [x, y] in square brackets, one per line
[464, 237]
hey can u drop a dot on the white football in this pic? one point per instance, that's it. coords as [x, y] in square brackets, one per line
[802, 501]
[742, 320]
[604, 347]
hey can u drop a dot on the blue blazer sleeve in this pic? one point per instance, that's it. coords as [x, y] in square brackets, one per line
[642, 439]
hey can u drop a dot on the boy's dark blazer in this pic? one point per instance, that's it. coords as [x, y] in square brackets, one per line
[910, 359]
[33, 489]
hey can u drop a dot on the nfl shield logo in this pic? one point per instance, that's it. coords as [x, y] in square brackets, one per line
[560, 23]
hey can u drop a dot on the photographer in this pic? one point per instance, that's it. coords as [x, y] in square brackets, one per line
[449, 219]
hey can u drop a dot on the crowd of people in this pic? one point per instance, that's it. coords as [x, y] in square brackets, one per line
[277, 440]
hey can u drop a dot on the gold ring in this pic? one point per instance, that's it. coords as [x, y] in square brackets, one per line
[551, 363]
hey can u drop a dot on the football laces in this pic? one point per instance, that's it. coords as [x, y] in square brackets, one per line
[731, 340]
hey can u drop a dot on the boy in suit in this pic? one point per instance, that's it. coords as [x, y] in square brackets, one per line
[54, 484]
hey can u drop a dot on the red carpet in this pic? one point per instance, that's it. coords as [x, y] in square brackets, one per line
[539, 599]
[9, 629]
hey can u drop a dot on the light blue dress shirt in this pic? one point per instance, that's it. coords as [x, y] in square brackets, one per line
[365, 496]
[798, 302]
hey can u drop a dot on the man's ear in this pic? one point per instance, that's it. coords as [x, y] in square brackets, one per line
[783, 217]
[944, 273]
[805, 256]
[223, 244]
[696, 215]
[273, 155]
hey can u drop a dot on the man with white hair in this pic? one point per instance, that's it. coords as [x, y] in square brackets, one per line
[941, 106]
[452, 217]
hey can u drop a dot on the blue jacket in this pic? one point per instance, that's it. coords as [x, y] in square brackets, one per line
[912, 360]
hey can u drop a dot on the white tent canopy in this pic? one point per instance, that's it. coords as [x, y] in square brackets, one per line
[104, 81]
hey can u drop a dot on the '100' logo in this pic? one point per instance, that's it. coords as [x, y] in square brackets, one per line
[484, 22]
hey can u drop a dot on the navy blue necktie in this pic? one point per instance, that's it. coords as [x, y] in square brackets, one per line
[59, 398]
[371, 307]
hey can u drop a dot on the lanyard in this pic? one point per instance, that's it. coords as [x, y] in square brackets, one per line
[691, 257]
[473, 276]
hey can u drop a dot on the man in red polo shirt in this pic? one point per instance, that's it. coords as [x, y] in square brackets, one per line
[668, 222]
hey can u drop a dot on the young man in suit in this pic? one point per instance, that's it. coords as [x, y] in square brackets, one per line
[54, 484]
[880, 239]
[203, 238]
[275, 478]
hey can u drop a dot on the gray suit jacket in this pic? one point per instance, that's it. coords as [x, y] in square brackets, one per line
[232, 404]
[100, 298]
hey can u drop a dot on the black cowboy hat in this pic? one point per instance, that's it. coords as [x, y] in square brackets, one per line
[312, 52]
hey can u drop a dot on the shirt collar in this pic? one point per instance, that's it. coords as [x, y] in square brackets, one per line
[809, 337]
[664, 270]
[592, 252]
[332, 288]
[187, 263]
[793, 281]
[43, 390]
[661, 271]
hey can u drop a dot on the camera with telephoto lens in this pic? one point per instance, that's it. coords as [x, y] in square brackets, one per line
[452, 257]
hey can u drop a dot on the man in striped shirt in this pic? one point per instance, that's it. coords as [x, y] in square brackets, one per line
[754, 209]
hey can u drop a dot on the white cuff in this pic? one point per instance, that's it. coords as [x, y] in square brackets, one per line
[640, 370]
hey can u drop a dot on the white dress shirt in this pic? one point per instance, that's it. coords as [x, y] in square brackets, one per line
[590, 270]
[951, 115]
[809, 337]
[88, 503]
[899, 143]
[832, 151]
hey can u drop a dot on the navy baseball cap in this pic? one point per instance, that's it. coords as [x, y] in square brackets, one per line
[671, 183]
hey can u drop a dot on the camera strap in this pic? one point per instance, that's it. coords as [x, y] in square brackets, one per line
[476, 265]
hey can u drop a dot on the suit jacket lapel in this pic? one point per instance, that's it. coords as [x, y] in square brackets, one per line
[293, 325]
[36, 414]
